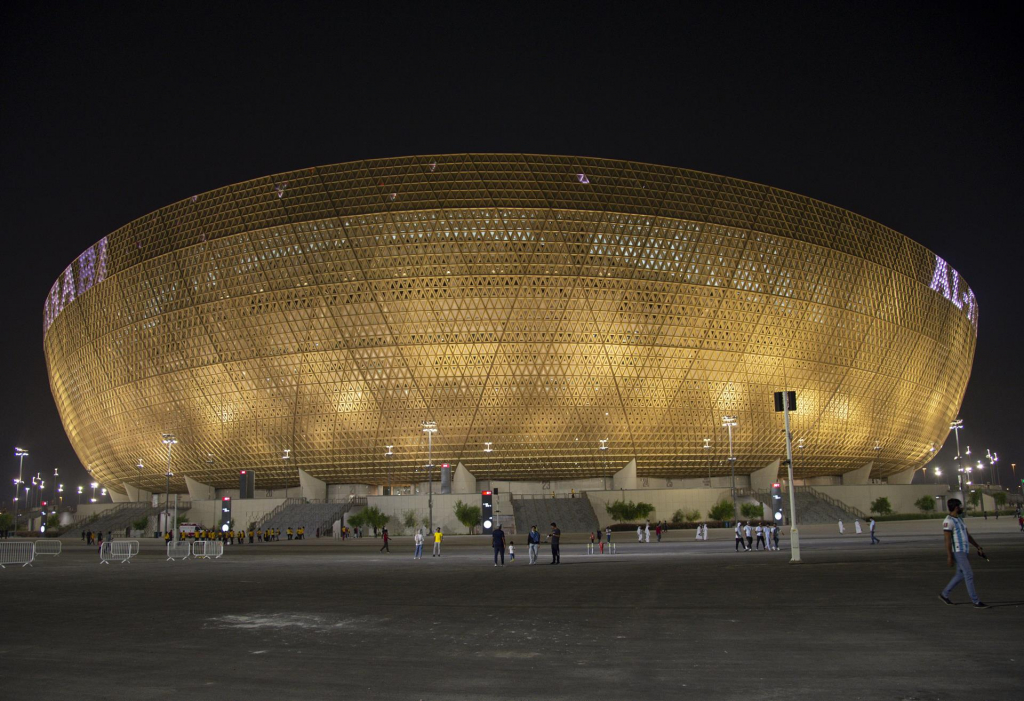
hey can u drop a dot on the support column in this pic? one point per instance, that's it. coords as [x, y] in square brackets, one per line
[136, 494]
[859, 476]
[626, 477]
[904, 477]
[463, 481]
[763, 479]
[117, 497]
[311, 487]
[197, 491]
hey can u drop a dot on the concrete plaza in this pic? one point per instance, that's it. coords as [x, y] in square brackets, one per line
[679, 619]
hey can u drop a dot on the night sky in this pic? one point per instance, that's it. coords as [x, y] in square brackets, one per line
[909, 115]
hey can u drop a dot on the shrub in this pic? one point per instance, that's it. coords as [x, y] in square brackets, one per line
[752, 510]
[6, 522]
[409, 519]
[52, 521]
[681, 516]
[629, 511]
[975, 498]
[881, 506]
[375, 517]
[925, 503]
[141, 524]
[468, 516]
[722, 511]
[357, 520]
[1000, 498]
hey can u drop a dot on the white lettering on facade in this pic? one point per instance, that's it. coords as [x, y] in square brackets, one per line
[89, 269]
[950, 285]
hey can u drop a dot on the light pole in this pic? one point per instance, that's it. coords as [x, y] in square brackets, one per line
[19, 453]
[288, 456]
[92, 499]
[993, 458]
[391, 489]
[955, 428]
[79, 495]
[430, 428]
[729, 422]
[55, 485]
[169, 441]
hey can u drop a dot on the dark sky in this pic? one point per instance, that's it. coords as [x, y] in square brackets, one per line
[908, 114]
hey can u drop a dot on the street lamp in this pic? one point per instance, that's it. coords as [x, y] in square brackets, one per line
[729, 422]
[391, 489]
[55, 485]
[993, 458]
[79, 495]
[169, 440]
[956, 426]
[430, 428]
[19, 453]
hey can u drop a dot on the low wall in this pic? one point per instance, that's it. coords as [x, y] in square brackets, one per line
[901, 496]
[665, 501]
[243, 511]
[444, 510]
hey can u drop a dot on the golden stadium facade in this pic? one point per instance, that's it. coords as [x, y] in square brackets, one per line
[541, 304]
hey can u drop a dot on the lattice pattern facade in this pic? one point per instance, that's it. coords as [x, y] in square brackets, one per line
[538, 303]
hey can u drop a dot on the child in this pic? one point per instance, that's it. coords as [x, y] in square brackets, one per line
[511, 551]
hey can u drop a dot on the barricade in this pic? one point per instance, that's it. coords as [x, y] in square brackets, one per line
[118, 550]
[17, 553]
[205, 549]
[177, 550]
[48, 547]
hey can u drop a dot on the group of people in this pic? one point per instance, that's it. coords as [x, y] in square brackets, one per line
[554, 537]
[596, 543]
[767, 535]
[857, 527]
[91, 538]
[643, 533]
[418, 544]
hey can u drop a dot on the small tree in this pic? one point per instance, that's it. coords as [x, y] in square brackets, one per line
[375, 517]
[357, 520]
[881, 506]
[925, 503]
[409, 519]
[752, 510]
[468, 516]
[721, 511]
[52, 521]
[628, 511]
[693, 515]
[975, 498]
[141, 524]
[6, 522]
[1000, 498]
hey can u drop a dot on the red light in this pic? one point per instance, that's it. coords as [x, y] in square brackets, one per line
[444, 464]
[242, 472]
[227, 498]
[776, 485]
[486, 493]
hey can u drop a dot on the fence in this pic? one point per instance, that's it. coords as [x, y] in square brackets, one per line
[205, 549]
[48, 547]
[17, 553]
[120, 550]
[178, 550]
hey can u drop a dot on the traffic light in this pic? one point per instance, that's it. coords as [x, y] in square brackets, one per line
[246, 484]
[487, 511]
[777, 503]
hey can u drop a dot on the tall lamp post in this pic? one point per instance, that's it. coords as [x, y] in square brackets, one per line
[430, 428]
[955, 428]
[729, 422]
[169, 441]
[92, 499]
[391, 489]
[19, 453]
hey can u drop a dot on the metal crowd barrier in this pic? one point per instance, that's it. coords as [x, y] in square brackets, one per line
[120, 550]
[205, 549]
[177, 550]
[48, 547]
[17, 553]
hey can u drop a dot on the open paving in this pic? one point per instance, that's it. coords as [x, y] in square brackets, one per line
[679, 619]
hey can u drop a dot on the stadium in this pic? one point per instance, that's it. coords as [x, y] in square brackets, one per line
[558, 318]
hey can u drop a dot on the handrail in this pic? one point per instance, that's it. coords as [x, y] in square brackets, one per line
[276, 510]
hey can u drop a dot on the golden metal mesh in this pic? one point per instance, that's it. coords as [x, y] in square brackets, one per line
[539, 303]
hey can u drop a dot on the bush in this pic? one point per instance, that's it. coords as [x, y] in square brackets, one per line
[52, 521]
[752, 510]
[469, 516]
[141, 524]
[722, 511]
[629, 511]
[1000, 498]
[357, 520]
[409, 519]
[881, 506]
[681, 516]
[375, 517]
[925, 503]
[6, 522]
[975, 498]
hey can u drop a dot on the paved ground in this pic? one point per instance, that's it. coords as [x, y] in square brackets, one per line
[678, 619]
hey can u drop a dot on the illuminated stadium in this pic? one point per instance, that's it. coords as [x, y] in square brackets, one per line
[557, 317]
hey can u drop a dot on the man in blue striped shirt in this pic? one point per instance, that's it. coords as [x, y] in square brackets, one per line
[958, 547]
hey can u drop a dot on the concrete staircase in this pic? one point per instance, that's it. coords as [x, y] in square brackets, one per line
[814, 507]
[308, 515]
[120, 518]
[573, 515]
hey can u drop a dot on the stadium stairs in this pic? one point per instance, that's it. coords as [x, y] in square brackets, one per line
[573, 515]
[310, 515]
[119, 518]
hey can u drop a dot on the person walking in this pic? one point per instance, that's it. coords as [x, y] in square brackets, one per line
[511, 551]
[555, 536]
[958, 548]
[657, 531]
[533, 541]
[437, 542]
[841, 528]
[639, 534]
[739, 537]
[775, 535]
[700, 530]
[759, 533]
[705, 536]
[748, 534]
[856, 526]
[387, 537]
[647, 532]
[418, 540]
[871, 527]
[498, 543]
